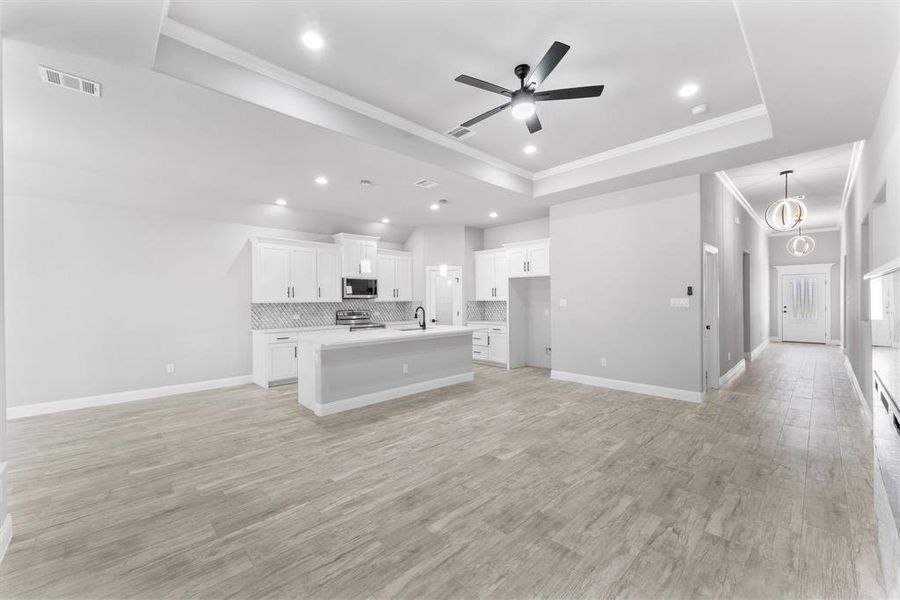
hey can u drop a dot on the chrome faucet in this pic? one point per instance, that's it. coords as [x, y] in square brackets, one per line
[422, 322]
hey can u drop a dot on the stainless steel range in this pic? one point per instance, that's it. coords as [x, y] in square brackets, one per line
[356, 319]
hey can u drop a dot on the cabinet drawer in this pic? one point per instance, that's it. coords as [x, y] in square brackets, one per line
[283, 338]
[497, 329]
[479, 353]
[480, 338]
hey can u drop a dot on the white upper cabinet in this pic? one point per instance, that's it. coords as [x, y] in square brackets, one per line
[491, 275]
[529, 259]
[272, 273]
[289, 271]
[359, 255]
[394, 276]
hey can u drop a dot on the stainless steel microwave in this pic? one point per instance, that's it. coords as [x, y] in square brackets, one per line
[360, 288]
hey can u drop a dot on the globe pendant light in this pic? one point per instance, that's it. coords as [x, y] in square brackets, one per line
[787, 213]
[800, 245]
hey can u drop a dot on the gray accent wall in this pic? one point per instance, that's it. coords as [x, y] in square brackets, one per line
[719, 214]
[828, 250]
[617, 259]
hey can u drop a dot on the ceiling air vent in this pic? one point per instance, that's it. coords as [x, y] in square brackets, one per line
[426, 183]
[461, 133]
[69, 81]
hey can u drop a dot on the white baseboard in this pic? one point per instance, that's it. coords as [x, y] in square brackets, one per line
[43, 408]
[330, 408]
[629, 386]
[859, 393]
[732, 372]
[5, 535]
[758, 350]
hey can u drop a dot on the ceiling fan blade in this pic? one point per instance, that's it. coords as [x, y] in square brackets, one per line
[534, 124]
[548, 63]
[588, 91]
[485, 115]
[483, 85]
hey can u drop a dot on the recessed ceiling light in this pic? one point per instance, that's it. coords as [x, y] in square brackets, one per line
[493, 215]
[385, 220]
[434, 206]
[699, 109]
[321, 180]
[312, 40]
[529, 149]
[281, 202]
[688, 90]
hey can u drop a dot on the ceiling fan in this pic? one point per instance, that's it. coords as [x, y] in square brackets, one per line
[523, 99]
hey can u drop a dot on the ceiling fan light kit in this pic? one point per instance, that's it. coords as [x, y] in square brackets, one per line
[523, 101]
[787, 213]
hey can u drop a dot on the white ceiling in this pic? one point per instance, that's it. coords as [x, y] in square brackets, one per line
[275, 115]
[819, 175]
[158, 142]
[403, 57]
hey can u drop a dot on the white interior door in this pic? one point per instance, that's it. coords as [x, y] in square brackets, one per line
[881, 311]
[444, 296]
[803, 314]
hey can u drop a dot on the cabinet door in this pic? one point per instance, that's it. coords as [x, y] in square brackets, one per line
[274, 274]
[350, 257]
[328, 274]
[484, 277]
[304, 285]
[539, 259]
[368, 256]
[517, 258]
[403, 278]
[498, 348]
[501, 276]
[386, 279]
[282, 362]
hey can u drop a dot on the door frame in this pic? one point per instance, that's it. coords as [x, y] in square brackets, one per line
[452, 271]
[709, 374]
[814, 269]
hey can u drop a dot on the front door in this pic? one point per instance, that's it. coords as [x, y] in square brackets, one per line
[803, 316]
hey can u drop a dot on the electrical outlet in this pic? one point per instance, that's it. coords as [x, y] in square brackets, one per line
[405, 369]
[603, 362]
[170, 368]
[563, 302]
[729, 356]
[295, 317]
[547, 349]
[546, 312]
[376, 313]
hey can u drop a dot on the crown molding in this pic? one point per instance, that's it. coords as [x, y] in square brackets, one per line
[738, 116]
[736, 193]
[855, 159]
[216, 47]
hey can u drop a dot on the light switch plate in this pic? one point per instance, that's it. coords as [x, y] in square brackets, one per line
[679, 302]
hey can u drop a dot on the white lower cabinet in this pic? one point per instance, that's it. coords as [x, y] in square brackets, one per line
[275, 358]
[490, 342]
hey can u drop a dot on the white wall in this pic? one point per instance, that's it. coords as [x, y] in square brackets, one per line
[617, 259]
[100, 299]
[451, 245]
[828, 250]
[4, 505]
[537, 321]
[720, 209]
[495, 237]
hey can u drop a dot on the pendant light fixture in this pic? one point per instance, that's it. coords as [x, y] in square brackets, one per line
[800, 245]
[787, 213]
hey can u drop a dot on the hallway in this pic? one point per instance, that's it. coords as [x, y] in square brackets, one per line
[514, 485]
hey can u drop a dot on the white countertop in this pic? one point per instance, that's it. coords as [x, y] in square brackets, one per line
[345, 338]
[327, 327]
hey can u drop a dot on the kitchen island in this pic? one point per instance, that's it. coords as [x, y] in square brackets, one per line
[341, 370]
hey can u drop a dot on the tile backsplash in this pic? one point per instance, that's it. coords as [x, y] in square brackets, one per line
[486, 310]
[274, 316]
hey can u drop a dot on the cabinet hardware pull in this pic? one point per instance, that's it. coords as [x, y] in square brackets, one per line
[289, 291]
[320, 291]
[281, 338]
[295, 351]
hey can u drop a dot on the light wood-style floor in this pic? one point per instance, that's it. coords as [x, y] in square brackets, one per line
[513, 486]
